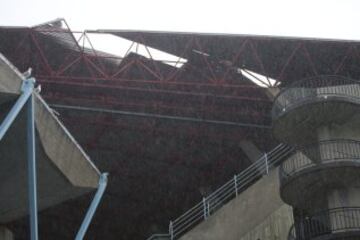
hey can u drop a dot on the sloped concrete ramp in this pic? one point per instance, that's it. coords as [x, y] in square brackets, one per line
[64, 170]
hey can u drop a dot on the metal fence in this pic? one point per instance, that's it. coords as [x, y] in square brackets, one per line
[225, 193]
[319, 154]
[330, 221]
[315, 89]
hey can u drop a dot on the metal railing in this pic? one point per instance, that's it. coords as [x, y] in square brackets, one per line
[315, 89]
[319, 154]
[225, 193]
[330, 221]
[159, 236]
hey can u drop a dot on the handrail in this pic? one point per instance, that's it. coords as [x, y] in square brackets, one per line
[329, 221]
[319, 154]
[315, 88]
[159, 236]
[313, 81]
[225, 193]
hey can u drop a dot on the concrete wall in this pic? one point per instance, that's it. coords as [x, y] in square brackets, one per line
[348, 130]
[6, 234]
[257, 213]
[274, 227]
[344, 197]
[349, 196]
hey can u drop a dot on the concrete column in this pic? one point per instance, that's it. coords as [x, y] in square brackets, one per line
[6, 234]
[252, 152]
[324, 133]
[318, 153]
[272, 92]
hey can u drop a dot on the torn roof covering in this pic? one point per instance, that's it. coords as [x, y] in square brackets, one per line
[282, 59]
[60, 159]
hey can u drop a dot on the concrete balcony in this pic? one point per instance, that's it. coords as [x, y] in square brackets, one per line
[301, 108]
[64, 171]
[308, 177]
[329, 224]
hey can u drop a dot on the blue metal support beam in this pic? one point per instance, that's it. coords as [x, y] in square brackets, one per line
[26, 89]
[26, 97]
[32, 185]
[93, 206]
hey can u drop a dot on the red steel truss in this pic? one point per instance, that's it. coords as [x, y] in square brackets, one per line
[75, 74]
[178, 126]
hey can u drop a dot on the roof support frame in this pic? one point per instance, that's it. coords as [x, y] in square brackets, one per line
[93, 206]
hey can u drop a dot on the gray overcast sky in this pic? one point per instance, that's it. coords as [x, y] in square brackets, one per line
[307, 18]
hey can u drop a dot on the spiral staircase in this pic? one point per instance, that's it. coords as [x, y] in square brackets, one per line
[319, 117]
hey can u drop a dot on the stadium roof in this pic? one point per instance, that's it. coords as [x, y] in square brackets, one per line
[165, 132]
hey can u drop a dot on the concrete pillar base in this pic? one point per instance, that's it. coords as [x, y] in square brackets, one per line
[6, 234]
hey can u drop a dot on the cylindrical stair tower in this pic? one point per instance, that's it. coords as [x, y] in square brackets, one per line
[320, 118]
